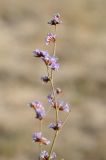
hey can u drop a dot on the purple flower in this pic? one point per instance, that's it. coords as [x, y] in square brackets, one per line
[39, 53]
[51, 61]
[50, 38]
[39, 109]
[50, 98]
[37, 137]
[65, 107]
[54, 66]
[55, 20]
[56, 126]
[36, 105]
[45, 79]
[40, 113]
[45, 156]
[61, 105]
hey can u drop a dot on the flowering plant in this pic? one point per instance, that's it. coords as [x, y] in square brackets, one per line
[52, 64]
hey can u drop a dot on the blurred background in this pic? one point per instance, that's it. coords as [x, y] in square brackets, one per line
[81, 48]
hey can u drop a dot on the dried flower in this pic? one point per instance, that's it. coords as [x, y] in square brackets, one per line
[55, 20]
[50, 38]
[37, 137]
[56, 126]
[58, 90]
[45, 156]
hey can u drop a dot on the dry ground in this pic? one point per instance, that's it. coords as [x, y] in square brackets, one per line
[81, 49]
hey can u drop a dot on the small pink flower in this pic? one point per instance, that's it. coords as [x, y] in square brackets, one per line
[50, 38]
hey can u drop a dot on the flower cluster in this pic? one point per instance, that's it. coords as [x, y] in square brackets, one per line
[51, 63]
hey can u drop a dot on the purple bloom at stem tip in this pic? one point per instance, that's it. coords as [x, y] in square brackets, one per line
[37, 137]
[55, 20]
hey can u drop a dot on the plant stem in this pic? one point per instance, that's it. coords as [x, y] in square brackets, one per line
[54, 49]
[54, 140]
[65, 121]
[54, 99]
[41, 121]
